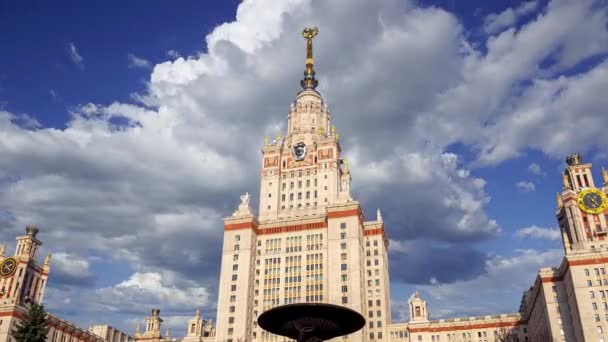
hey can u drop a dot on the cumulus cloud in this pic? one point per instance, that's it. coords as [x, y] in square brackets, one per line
[538, 233]
[497, 21]
[525, 186]
[71, 269]
[504, 277]
[535, 169]
[74, 56]
[137, 62]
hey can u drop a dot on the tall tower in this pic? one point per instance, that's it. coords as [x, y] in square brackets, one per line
[22, 278]
[151, 329]
[582, 208]
[310, 242]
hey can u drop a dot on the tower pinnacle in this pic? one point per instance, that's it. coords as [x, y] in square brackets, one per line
[309, 81]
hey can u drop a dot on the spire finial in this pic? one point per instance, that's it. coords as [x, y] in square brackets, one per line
[3, 249]
[605, 176]
[309, 81]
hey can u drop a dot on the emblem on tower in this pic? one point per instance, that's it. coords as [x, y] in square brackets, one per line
[8, 267]
[299, 151]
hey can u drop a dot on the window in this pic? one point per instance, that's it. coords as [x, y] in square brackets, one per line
[367, 243]
[237, 237]
[344, 300]
[343, 245]
[376, 262]
[344, 288]
[586, 272]
[378, 313]
[371, 324]
[231, 308]
[235, 267]
[344, 277]
[343, 256]
[342, 235]
[591, 294]
[594, 305]
[343, 267]
[232, 299]
[377, 302]
[343, 225]
[233, 277]
[235, 257]
[597, 318]
[589, 283]
[230, 320]
[370, 303]
[233, 287]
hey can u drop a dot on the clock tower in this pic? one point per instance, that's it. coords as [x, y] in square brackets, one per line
[310, 241]
[582, 208]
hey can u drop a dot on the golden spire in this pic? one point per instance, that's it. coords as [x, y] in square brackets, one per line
[309, 81]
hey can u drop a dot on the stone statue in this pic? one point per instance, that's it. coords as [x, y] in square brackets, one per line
[3, 249]
[266, 140]
[566, 181]
[245, 199]
[47, 260]
[605, 176]
[560, 201]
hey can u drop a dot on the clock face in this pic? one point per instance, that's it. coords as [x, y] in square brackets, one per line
[299, 151]
[592, 201]
[8, 267]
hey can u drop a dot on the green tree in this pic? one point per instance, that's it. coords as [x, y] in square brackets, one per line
[34, 327]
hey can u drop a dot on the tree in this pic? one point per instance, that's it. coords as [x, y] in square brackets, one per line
[34, 327]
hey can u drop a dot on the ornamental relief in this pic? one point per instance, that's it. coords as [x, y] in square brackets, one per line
[326, 153]
[271, 161]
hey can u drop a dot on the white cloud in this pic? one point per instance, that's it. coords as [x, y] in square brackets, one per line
[539, 233]
[506, 277]
[173, 54]
[137, 62]
[495, 22]
[525, 186]
[535, 169]
[75, 57]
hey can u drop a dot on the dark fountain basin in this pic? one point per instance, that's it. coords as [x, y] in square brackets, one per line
[309, 322]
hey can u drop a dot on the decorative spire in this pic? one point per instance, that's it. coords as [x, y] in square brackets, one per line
[138, 328]
[605, 176]
[3, 249]
[378, 216]
[309, 81]
[560, 201]
[197, 313]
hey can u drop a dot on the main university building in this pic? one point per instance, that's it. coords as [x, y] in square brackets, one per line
[311, 242]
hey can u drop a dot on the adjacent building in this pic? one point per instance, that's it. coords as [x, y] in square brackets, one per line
[23, 281]
[109, 333]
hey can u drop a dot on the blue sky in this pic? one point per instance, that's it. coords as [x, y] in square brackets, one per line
[127, 131]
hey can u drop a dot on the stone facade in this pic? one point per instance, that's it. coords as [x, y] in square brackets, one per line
[109, 333]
